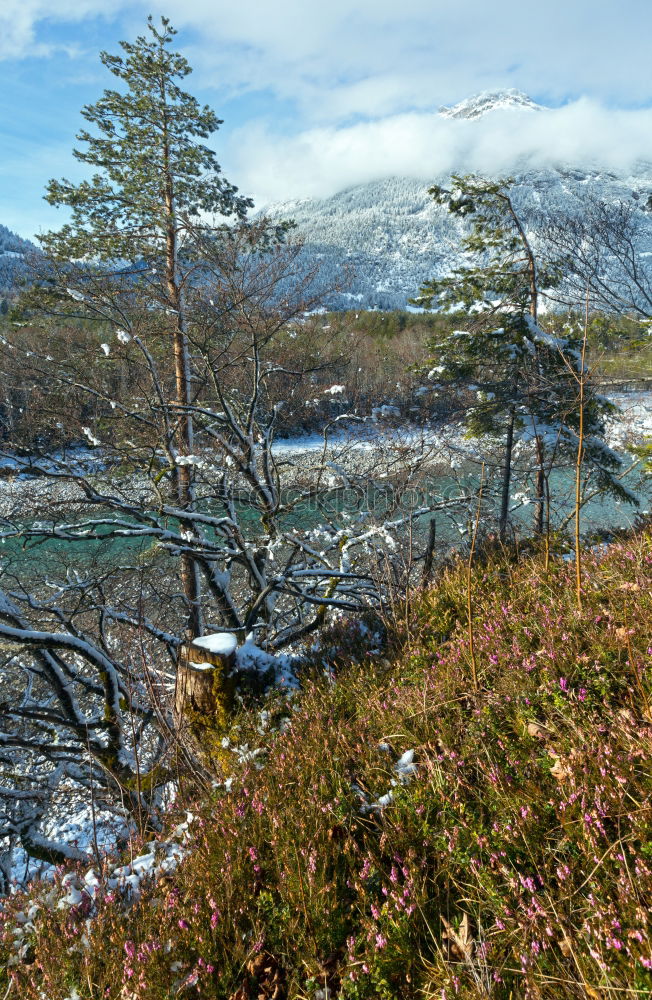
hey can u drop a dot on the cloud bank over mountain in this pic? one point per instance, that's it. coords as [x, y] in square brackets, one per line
[317, 97]
[428, 145]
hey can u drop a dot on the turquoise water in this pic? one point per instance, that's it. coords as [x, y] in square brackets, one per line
[44, 556]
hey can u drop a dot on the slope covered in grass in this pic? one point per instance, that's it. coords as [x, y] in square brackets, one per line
[405, 836]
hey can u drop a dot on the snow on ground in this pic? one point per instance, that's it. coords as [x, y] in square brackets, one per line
[366, 438]
[636, 421]
[160, 858]
[95, 832]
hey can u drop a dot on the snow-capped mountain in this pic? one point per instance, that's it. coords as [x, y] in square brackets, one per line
[381, 240]
[494, 100]
[376, 243]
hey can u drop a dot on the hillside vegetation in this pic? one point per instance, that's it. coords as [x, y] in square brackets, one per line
[398, 834]
[369, 358]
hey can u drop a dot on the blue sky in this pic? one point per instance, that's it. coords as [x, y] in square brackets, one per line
[316, 97]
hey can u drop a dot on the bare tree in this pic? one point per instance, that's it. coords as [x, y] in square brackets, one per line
[279, 541]
[602, 246]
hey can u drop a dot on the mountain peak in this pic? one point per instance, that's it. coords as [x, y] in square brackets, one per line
[490, 100]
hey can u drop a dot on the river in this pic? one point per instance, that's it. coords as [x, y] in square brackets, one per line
[450, 470]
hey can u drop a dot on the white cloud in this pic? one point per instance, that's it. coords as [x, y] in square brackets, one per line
[320, 161]
[380, 57]
[426, 50]
[356, 83]
[20, 21]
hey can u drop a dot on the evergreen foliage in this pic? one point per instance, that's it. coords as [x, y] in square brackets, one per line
[145, 208]
[525, 379]
[154, 173]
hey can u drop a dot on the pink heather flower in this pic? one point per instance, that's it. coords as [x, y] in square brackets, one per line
[563, 684]
[581, 694]
[393, 875]
[214, 918]
[375, 912]
[381, 941]
[645, 962]
[130, 948]
[183, 924]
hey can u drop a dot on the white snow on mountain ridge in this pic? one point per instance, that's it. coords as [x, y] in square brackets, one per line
[380, 240]
[491, 100]
[13, 255]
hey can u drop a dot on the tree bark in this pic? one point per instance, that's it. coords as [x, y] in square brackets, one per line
[190, 577]
[430, 553]
[507, 475]
[203, 700]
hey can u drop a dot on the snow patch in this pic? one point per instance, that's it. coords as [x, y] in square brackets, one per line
[220, 643]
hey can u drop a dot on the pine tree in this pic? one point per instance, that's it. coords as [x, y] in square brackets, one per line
[525, 380]
[156, 181]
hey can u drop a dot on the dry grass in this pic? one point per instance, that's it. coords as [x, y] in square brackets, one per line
[513, 862]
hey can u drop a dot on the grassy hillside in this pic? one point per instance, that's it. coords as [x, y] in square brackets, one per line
[402, 835]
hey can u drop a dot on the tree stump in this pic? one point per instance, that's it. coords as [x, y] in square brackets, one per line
[204, 695]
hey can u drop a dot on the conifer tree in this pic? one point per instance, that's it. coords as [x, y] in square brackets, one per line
[525, 379]
[156, 182]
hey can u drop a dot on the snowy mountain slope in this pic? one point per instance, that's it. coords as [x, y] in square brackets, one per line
[378, 242]
[382, 239]
[495, 100]
[13, 255]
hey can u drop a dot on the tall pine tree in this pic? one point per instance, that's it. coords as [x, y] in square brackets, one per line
[140, 214]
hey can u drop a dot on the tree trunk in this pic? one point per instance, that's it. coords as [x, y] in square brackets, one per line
[204, 700]
[184, 474]
[430, 553]
[540, 488]
[507, 475]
